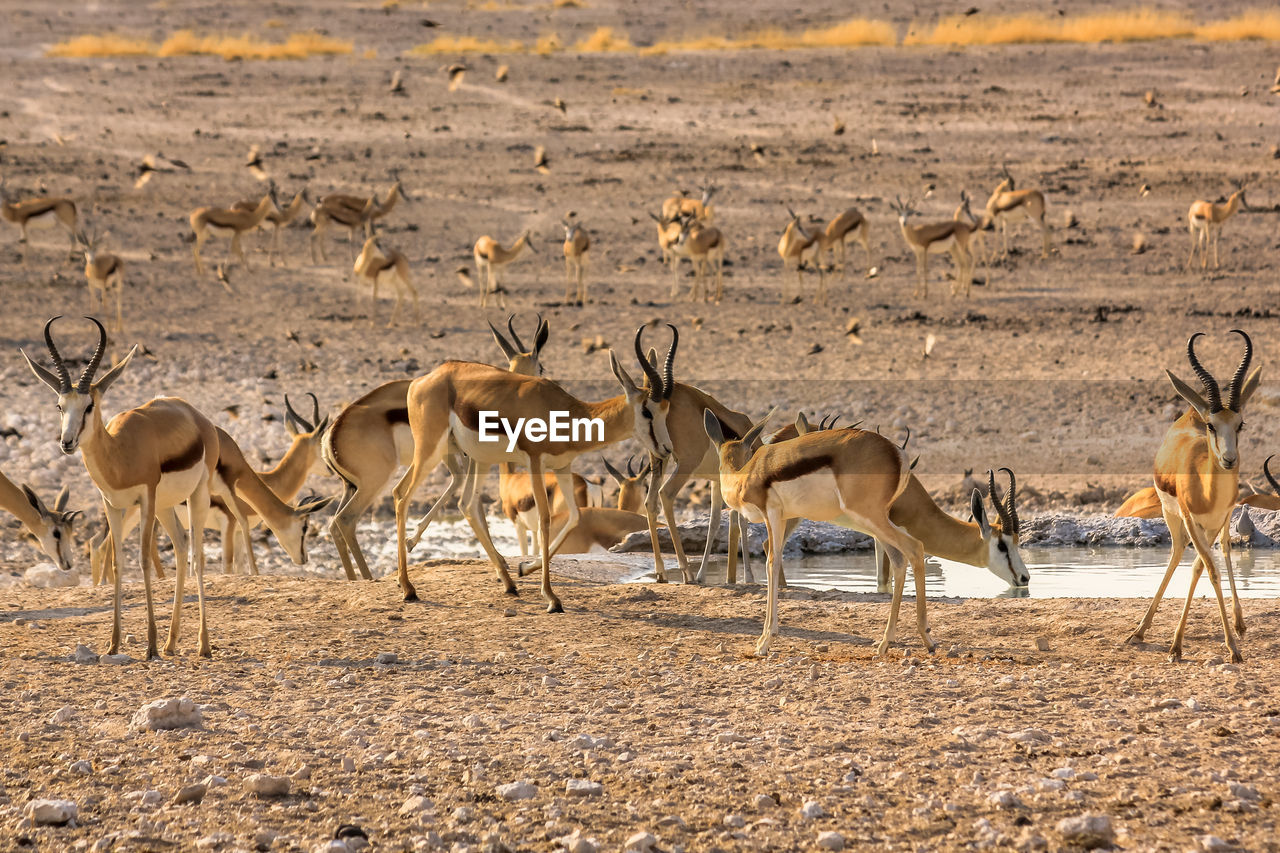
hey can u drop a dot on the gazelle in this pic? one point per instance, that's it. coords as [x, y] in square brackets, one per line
[491, 258]
[104, 273]
[326, 213]
[681, 205]
[357, 204]
[795, 241]
[515, 496]
[704, 246]
[227, 221]
[447, 404]
[597, 528]
[1007, 203]
[156, 456]
[48, 527]
[631, 484]
[977, 241]
[39, 211]
[576, 244]
[849, 477]
[668, 233]
[1204, 223]
[370, 438]
[949, 235]
[378, 265]
[1197, 473]
[279, 219]
[832, 238]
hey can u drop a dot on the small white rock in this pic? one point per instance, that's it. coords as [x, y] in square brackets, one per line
[62, 715]
[1242, 792]
[641, 842]
[116, 660]
[1067, 773]
[812, 810]
[416, 804]
[84, 654]
[729, 737]
[166, 714]
[734, 821]
[191, 793]
[1088, 831]
[82, 767]
[763, 801]
[1004, 799]
[51, 812]
[387, 658]
[1214, 844]
[830, 840]
[1042, 644]
[521, 790]
[582, 788]
[267, 786]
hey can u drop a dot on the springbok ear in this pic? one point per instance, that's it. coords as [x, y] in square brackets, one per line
[979, 512]
[314, 504]
[628, 384]
[653, 357]
[613, 472]
[323, 425]
[540, 341]
[114, 373]
[60, 502]
[34, 499]
[802, 425]
[754, 433]
[503, 344]
[1189, 394]
[1250, 385]
[712, 425]
[44, 374]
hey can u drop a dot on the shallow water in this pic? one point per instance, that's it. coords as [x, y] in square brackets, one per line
[1055, 573]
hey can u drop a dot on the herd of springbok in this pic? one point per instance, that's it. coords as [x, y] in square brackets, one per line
[685, 229]
[149, 461]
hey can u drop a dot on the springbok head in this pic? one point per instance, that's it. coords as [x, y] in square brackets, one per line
[1222, 422]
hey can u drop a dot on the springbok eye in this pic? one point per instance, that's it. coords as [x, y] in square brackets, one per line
[57, 534]
[1211, 429]
[648, 414]
[1004, 549]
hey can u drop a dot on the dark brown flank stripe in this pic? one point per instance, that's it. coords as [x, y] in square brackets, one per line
[1166, 483]
[798, 469]
[41, 209]
[470, 417]
[187, 459]
[525, 504]
[115, 264]
[398, 416]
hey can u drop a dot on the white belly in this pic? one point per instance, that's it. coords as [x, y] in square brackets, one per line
[943, 245]
[812, 496]
[402, 436]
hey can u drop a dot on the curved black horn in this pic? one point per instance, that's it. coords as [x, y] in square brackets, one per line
[1266, 469]
[514, 337]
[908, 438]
[1001, 511]
[668, 381]
[631, 461]
[1010, 506]
[292, 415]
[58, 363]
[315, 408]
[1206, 379]
[86, 378]
[1237, 381]
[654, 380]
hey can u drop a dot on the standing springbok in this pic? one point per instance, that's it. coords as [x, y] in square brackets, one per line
[370, 438]
[378, 265]
[681, 205]
[849, 477]
[491, 258]
[1197, 478]
[39, 211]
[948, 235]
[326, 213]
[377, 210]
[447, 404]
[1008, 204]
[576, 244]
[1204, 223]
[206, 221]
[155, 457]
[278, 219]
[668, 234]
[704, 246]
[832, 238]
[49, 528]
[795, 241]
[104, 272]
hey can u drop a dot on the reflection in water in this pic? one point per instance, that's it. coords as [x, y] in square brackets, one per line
[1055, 573]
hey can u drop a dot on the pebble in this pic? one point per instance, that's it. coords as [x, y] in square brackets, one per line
[1050, 784]
[267, 786]
[1193, 705]
[521, 790]
[729, 737]
[302, 774]
[82, 767]
[1088, 831]
[1064, 773]
[763, 801]
[581, 788]
[1170, 702]
[62, 715]
[641, 842]
[348, 764]
[191, 793]
[734, 821]
[1214, 844]
[1004, 799]
[464, 814]
[1242, 792]
[264, 838]
[1042, 644]
[508, 613]
[214, 781]
[84, 654]
[830, 840]
[416, 804]
[812, 810]
[51, 812]
[166, 714]
[671, 820]
[386, 658]
[116, 660]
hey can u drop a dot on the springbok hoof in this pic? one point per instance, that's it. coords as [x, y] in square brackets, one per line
[1236, 657]
[555, 607]
[1175, 655]
[411, 595]
[1134, 639]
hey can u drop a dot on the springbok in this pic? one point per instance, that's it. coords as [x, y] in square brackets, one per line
[1204, 223]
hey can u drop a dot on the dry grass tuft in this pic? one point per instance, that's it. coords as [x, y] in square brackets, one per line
[187, 43]
[605, 40]
[1263, 26]
[467, 44]
[1133, 25]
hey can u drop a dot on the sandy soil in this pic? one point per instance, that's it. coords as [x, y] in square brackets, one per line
[1054, 368]
[650, 693]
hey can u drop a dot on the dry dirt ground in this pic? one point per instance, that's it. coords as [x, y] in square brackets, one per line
[1053, 367]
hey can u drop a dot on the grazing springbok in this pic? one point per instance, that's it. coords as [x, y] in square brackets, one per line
[1204, 223]
[49, 528]
[55, 210]
[491, 258]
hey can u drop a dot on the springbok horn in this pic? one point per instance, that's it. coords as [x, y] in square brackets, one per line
[58, 364]
[1237, 381]
[668, 382]
[654, 380]
[514, 337]
[995, 502]
[1206, 379]
[86, 378]
[1010, 505]
[1266, 469]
